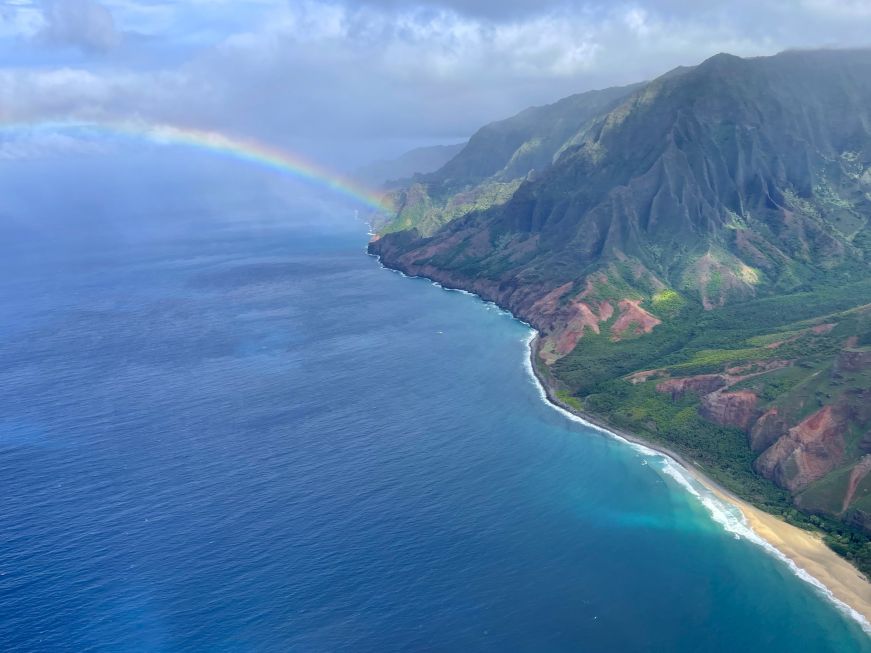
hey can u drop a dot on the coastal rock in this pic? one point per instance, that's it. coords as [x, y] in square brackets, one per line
[767, 430]
[730, 408]
[702, 384]
[807, 452]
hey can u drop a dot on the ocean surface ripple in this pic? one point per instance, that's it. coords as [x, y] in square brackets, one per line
[224, 427]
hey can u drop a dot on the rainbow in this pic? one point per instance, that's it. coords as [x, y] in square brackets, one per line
[247, 150]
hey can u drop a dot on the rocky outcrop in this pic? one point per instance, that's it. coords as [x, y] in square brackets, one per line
[807, 452]
[736, 409]
[701, 385]
[767, 430]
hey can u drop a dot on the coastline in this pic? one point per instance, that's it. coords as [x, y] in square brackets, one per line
[804, 551]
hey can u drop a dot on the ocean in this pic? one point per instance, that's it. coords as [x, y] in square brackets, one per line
[224, 427]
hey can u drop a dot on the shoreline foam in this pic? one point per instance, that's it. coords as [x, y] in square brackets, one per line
[804, 552]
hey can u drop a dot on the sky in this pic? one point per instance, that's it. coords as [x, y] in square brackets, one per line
[344, 82]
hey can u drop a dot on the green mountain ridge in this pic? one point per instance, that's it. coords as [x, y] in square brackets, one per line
[696, 252]
[498, 157]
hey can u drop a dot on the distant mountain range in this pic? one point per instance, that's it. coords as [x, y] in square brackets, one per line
[396, 172]
[696, 253]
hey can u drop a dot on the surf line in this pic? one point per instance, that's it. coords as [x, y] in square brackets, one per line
[720, 509]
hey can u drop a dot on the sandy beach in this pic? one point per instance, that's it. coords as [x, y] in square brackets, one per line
[805, 549]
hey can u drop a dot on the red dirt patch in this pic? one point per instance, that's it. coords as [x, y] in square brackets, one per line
[808, 452]
[632, 316]
[823, 328]
[581, 317]
[859, 472]
[548, 304]
[730, 408]
[701, 385]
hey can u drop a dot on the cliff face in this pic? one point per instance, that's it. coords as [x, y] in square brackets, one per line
[736, 409]
[767, 430]
[696, 253]
[807, 452]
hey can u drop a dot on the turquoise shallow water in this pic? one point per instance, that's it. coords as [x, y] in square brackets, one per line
[224, 427]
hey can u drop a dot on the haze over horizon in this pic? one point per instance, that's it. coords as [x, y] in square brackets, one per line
[346, 83]
[598, 378]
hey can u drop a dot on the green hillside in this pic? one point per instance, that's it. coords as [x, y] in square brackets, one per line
[696, 253]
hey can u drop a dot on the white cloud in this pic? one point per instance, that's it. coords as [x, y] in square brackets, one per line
[315, 72]
[78, 94]
[839, 8]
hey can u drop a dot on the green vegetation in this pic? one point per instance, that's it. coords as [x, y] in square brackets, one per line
[570, 400]
[752, 246]
[417, 209]
[742, 336]
[667, 303]
[721, 451]
[774, 384]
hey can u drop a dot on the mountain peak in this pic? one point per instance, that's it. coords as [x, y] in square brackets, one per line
[696, 255]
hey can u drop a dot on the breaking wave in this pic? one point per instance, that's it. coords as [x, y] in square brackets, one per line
[723, 513]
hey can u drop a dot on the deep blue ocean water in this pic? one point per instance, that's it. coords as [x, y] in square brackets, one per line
[223, 427]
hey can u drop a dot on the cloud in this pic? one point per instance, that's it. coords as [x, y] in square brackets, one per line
[499, 10]
[83, 24]
[38, 145]
[329, 77]
[19, 20]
